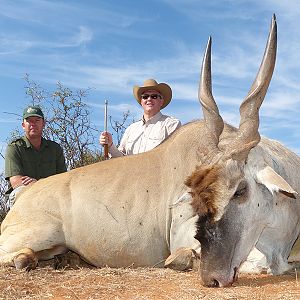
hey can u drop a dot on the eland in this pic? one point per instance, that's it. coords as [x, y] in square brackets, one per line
[209, 184]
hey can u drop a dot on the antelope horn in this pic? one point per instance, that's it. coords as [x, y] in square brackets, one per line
[248, 135]
[213, 120]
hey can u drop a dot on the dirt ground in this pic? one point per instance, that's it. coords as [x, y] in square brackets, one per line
[45, 282]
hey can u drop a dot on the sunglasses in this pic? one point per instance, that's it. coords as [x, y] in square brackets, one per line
[152, 96]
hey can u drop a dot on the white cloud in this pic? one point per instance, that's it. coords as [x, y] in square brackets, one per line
[10, 46]
[114, 109]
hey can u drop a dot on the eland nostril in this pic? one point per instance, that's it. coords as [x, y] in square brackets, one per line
[235, 274]
[214, 283]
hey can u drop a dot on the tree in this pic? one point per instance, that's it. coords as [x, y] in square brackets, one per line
[120, 126]
[3, 189]
[68, 123]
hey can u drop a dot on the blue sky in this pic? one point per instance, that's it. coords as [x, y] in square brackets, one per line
[110, 46]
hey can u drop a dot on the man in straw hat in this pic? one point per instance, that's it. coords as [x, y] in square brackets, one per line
[152, 129]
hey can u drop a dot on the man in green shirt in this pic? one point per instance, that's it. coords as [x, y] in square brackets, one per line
[31, 157]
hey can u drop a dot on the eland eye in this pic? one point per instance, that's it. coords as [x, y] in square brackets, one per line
[239, 193]
[241, 190]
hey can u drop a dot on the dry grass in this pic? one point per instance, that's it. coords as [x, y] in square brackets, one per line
[143, 283]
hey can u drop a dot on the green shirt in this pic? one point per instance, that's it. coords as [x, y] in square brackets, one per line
[22, 158]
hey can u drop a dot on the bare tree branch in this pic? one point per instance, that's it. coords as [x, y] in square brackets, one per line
[68, 123]
[120, 126]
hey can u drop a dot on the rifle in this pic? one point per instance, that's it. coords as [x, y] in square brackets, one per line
[105, 129]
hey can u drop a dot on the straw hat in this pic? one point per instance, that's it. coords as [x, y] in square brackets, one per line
[151, 84]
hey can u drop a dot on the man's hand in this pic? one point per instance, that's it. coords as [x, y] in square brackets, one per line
[19, 180]
[105, 139]
[27, 180]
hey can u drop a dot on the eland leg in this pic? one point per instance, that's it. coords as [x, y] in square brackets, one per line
[183, 259]
[23, 248]
[22, 259]
[295, 252]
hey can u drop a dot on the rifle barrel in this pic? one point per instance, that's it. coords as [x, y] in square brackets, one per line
[105, 129]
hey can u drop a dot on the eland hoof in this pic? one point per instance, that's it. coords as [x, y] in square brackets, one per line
[25, 260]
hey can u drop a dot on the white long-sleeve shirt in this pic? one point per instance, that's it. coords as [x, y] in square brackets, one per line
[143, 136]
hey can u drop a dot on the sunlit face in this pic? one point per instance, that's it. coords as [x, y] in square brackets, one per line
[33, 126]
[151, 101]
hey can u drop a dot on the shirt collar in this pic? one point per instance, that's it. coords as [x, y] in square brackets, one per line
[28, 144]
[153, 119]
[25, 139]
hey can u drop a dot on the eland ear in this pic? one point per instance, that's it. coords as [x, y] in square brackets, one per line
[274, 182]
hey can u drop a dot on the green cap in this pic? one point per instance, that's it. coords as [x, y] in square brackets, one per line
[33, 111]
